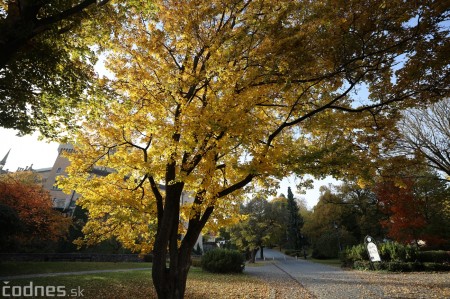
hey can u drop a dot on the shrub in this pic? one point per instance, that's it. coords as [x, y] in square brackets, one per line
[393, 251]
[396, 257]
[438, 256]
[356, 253]
[395, 266]
[416, 266]
[326, 246]
[362, 265]
[223, 261]
[436, 267]
[196, 262]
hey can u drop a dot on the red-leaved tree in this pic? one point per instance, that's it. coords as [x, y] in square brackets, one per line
[404, 211]
[27, 216]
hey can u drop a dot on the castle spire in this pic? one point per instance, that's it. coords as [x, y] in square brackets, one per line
[3, 161]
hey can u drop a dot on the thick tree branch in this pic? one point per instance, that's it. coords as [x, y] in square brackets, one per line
[44, 23]
[240, 184]
[159, 198]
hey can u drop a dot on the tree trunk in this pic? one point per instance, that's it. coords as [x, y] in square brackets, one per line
[253, 255]
[261, 253]
[170, 282]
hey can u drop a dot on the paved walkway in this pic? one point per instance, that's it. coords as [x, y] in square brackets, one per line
[328, 282]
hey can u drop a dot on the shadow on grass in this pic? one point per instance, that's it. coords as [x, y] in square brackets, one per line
[328, 262]
[23, 268]
[138, 284]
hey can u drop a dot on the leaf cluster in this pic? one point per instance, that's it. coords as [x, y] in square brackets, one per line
[46, 62]
[215, 97]
[27, 213]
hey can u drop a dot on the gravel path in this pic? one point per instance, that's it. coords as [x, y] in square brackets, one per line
[304, 279]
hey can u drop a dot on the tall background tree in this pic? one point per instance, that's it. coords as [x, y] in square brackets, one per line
[295, 223]
[209, 95]
[408, 206]
[416, 208]
[426, 132]
[328, 226]
[253, 233]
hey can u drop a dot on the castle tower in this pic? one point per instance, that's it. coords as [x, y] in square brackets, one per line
[3, 161]
[60, 199]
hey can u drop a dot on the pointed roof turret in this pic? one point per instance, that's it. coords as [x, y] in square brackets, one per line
[3, 161]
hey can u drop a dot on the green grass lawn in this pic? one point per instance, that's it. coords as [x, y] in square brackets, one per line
[329, 262]
[138, 284]
[22, 268]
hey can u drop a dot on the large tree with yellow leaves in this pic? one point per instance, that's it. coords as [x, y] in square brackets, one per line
[212, 97]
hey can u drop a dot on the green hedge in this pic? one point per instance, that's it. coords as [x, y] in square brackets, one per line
[223, 261]
[392, 251]
[389, 251]
[437, 256]
[196, 262]
[401, 266]
[396, 257]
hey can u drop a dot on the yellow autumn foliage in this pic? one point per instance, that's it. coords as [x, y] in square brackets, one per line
[216, 97]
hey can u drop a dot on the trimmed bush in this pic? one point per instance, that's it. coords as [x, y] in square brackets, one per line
[392, 251]
[396, 257]
[436, 267]
[396, 252]
[393, 266]
[196, 262]
[223, 261]
[356, 253]
[361, 265]
[437, 256]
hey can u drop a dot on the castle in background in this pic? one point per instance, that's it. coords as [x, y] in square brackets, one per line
[61, 201]
[66, 203]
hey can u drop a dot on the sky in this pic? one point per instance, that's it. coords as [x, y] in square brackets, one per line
[28, 150]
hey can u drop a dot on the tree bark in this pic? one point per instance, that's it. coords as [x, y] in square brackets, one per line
[167, 281]
[253, 255]
[170, 282]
